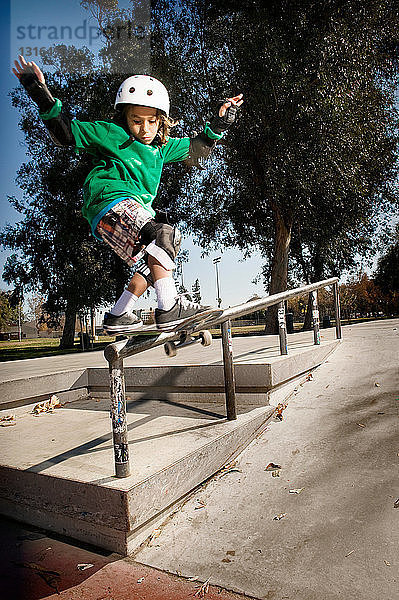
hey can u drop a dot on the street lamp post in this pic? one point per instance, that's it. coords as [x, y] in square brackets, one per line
[216, 261]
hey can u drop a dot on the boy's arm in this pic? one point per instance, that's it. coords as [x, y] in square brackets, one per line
[202, 144]
[57, 124]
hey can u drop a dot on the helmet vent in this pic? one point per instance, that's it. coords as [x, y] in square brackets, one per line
[132, 89]
[149, 92]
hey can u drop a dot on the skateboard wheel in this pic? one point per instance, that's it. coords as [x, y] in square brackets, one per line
[206, 338]
[170, 349]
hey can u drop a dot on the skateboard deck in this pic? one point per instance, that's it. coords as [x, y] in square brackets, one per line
[204, 319]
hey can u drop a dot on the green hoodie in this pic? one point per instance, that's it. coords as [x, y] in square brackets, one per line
[123, 167]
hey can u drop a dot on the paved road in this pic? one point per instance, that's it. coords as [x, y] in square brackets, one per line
[339, 537]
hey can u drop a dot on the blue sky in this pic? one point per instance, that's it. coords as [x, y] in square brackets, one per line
[235, 275]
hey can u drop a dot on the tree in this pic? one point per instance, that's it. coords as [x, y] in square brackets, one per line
[54, 250]
[386, 276]
[8, 313]
[298, 178]
[196, 291]
[387, 273]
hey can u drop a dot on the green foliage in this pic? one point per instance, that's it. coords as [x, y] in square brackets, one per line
[312, 163]
[55, 252]
[387, 272]
[196, 291]
[8, 311]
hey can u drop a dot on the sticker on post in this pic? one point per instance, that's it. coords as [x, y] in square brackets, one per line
[121, 453]
[281, 317]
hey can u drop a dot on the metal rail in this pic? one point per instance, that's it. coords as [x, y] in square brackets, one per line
[116, 352]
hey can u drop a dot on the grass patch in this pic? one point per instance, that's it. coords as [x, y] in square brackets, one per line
[36, 348]
[40, 347]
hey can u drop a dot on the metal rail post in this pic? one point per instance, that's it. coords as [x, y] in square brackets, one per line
[119, 420]
[337, 311]
[315, 318]
[282, 328]
[229, 382]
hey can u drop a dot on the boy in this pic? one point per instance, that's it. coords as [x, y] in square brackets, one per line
[129, 154]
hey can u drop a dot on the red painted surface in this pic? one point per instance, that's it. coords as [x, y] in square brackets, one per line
[34, 566]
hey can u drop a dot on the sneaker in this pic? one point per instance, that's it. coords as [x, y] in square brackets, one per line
[123, 323]
[183, 309]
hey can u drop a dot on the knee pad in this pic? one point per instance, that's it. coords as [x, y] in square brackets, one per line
[162, 241]
[145, 272]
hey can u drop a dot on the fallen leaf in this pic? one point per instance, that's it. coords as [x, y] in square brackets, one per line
[153, 535]
[278, 414]
[279, 517]
[8, 420]
[84, 566]
[47, 405]
[272, 467]
[226, 560]
[203, 589]
[231, 552]
[230, 468]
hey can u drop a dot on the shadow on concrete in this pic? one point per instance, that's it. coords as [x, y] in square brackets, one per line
[35, 564]
[159, 408]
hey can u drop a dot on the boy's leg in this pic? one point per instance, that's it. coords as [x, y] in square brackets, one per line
[164, 284]
[172, 308]
[129, 297]
[138, 285]
[120, 229]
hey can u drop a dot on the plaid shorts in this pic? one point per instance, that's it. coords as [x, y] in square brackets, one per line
[120, 228]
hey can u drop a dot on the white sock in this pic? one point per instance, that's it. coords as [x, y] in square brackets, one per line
[166, 292]
[124, 304]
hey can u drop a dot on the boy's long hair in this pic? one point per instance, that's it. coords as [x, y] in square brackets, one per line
[165, 125]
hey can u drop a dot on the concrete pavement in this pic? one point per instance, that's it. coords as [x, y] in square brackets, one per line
[339, 444]
[338, 538]
[246, 349]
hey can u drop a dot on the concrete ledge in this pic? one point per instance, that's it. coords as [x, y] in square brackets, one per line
[109, 512]
[192, 383]
[17, 392]
[57, 468]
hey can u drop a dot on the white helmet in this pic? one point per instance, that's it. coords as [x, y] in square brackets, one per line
[143, 90]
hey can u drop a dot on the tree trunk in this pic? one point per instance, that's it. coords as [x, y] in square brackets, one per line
[317, 276]
[307, 324]
[68, 334]
[279, 271]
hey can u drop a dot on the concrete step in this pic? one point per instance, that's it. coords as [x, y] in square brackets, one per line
[57, 468]
[193, 383]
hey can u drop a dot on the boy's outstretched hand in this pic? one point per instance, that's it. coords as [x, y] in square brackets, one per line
[23, 68]
[235, 101]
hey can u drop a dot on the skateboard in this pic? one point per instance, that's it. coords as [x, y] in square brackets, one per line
[184, 331]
